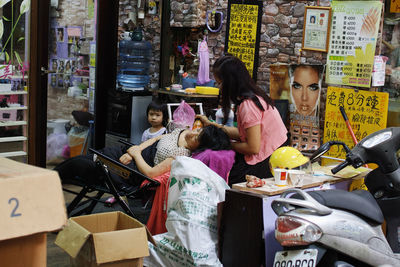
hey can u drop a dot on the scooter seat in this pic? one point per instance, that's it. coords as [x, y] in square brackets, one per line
[358, 201]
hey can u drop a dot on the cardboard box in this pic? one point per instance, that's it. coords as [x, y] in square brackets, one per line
[105, 239]
[32, 204]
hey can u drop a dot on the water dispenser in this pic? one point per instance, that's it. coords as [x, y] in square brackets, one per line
[134, 64]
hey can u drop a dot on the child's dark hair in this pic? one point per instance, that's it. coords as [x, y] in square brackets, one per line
[158, 106]
[214, 138]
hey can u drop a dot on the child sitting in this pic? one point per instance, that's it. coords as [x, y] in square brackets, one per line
[157, 116]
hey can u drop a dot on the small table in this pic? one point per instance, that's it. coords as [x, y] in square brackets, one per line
[269, 189]
[262, 220]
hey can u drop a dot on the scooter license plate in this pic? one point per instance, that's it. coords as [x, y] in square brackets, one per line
[293, 258]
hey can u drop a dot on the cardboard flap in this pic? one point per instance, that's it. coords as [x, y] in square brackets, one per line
[150, 237]
[136, 223]
[72, 238]
[120, 245]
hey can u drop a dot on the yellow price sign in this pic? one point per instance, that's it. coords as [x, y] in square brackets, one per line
[242, 35]
[395, 6]
[366, 111]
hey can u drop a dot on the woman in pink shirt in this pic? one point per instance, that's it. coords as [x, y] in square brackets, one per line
[260, 129]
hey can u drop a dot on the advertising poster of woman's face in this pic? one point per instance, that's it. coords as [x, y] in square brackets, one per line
[305, 92]
[305, 88]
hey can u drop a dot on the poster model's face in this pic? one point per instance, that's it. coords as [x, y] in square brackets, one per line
[305, 90]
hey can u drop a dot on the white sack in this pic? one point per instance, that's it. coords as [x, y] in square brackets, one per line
[191, 240]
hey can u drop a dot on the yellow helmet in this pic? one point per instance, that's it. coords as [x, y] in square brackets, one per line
[286, 157]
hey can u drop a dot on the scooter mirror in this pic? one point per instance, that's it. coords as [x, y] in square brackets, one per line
[325, 147]
[320, 151]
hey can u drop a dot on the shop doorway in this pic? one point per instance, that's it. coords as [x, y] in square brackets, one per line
[70, 72]
[64, 54]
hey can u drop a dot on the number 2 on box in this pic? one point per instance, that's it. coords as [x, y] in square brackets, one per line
[14, 211]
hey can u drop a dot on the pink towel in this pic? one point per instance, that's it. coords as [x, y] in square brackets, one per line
[219, 161]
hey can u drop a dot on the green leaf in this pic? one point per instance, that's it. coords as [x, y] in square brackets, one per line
[1, 28]
[24, 6]
[7, 57]
[3, 67]
[20, 39]
[3, 2]
[6, 19]
[18, 58]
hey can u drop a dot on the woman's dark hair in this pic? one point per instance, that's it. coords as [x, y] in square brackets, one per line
[158, 106]
[214, 138]
[237, 84]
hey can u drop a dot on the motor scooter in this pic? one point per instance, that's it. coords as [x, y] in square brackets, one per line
[341, 228]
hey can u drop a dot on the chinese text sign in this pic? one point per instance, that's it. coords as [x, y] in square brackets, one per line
[395, 6]
[366, 111]
[242, 36]
[353, 36]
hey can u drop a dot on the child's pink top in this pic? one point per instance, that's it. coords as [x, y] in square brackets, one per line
[273, 130]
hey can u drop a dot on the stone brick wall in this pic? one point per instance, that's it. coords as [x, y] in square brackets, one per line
[189, 13]
[74, 13]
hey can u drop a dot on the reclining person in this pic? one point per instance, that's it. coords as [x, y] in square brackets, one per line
[153, 157]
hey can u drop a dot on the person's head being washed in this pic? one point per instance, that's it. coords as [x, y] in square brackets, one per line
[154, 156]
[177, 143]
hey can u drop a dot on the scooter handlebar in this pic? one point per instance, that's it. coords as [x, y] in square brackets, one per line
[339, 167]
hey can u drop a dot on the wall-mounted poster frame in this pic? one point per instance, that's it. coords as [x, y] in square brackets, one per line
[243, 26]
[317, 24]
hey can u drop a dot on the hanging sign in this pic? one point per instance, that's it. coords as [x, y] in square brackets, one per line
[316, 28]
[366, 111]
[243, 31]
[353, 36]
[395, 6]
[378, 74]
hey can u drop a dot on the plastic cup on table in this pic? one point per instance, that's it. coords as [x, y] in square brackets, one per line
[280, 176]
[296, 177]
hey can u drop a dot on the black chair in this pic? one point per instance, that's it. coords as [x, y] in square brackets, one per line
[85, 202]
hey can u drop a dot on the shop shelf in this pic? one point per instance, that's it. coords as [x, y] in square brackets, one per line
[12, 123]
[13, 92]
[13, 154]
[13, 139]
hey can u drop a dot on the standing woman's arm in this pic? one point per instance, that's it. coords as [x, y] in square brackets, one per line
[253, 141]
[232, 132]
